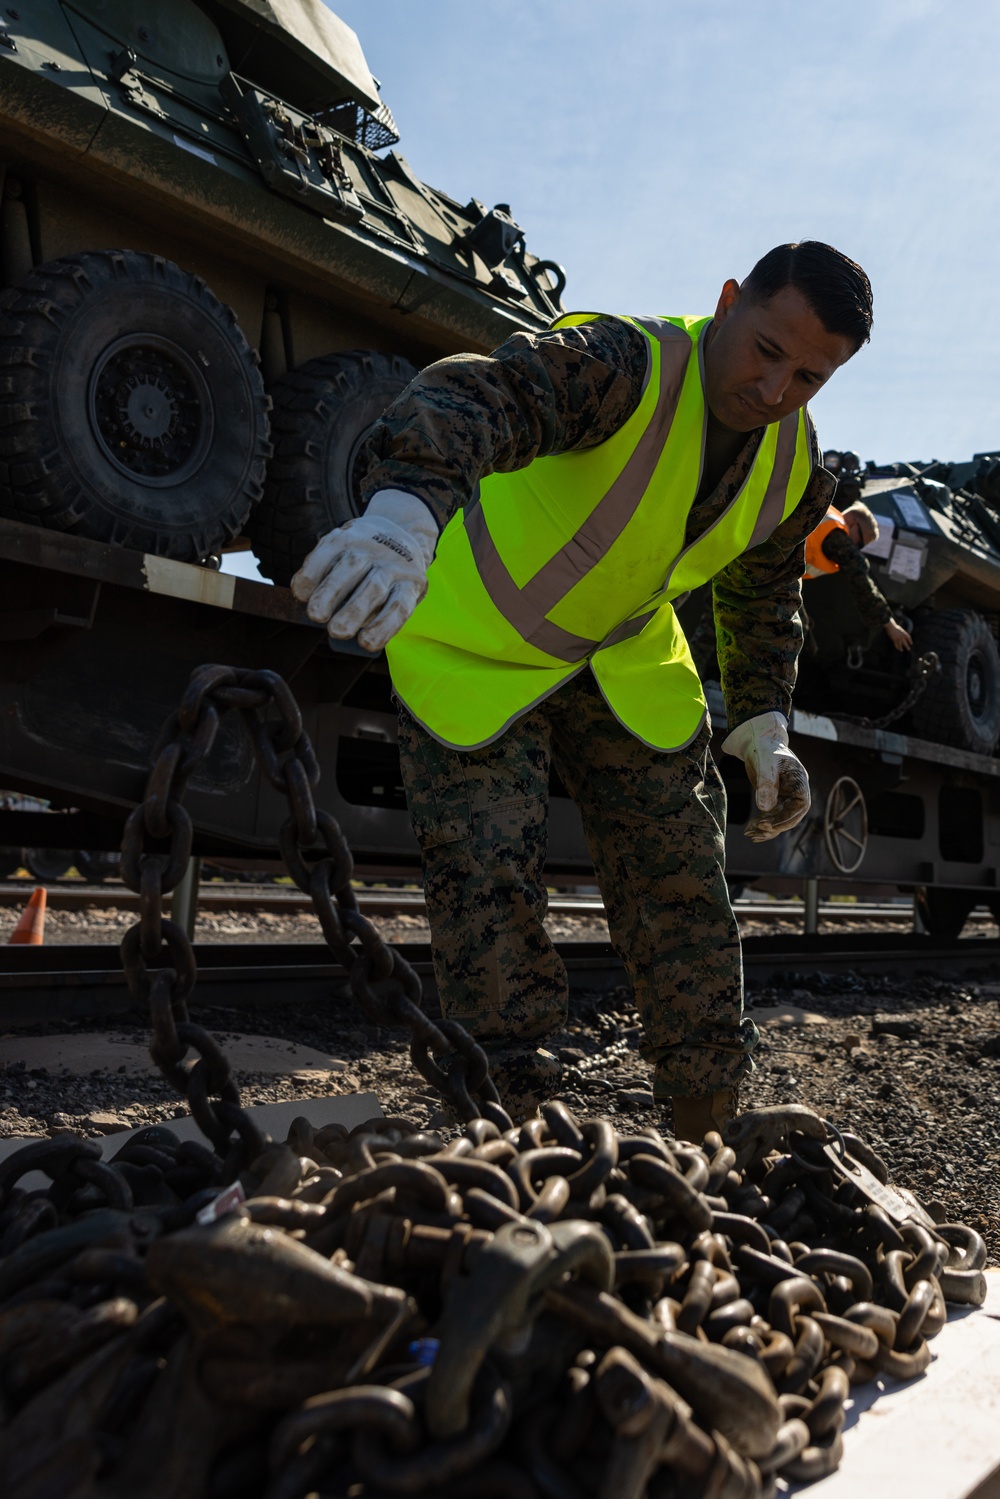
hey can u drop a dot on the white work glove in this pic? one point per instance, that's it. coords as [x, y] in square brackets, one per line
[778, 777]
[367, 577]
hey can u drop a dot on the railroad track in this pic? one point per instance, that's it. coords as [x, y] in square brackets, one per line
[63, 982]
[74, 895]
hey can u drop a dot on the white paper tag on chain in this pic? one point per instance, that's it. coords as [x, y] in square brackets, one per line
[227, 1202]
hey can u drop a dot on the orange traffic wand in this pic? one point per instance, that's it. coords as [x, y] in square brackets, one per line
[31, 922]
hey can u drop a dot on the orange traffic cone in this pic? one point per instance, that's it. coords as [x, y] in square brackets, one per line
[31, 922]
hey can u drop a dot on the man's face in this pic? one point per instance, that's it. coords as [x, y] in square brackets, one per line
[764, 360]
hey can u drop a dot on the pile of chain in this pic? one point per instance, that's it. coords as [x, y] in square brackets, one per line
[552, 1310]
[545, 1311]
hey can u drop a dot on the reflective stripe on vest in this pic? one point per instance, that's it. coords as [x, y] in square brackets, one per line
[574, 559]
[817, 562]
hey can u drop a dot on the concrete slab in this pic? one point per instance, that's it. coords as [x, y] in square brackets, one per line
[348, 1109]
[786, 1015]
[81, 1054]
[937, 1437]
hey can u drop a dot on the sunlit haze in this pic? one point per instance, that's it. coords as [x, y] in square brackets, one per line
[656, 147]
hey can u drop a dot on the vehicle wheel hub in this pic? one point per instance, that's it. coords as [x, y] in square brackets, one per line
[150, 410]
[147, 412]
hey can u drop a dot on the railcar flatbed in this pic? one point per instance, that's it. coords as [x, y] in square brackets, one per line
[100, 641]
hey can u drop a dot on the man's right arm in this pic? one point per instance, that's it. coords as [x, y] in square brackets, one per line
[471, 415]
[459, 420]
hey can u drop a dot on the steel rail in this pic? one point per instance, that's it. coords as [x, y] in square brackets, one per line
[69, 982]
[278, 900]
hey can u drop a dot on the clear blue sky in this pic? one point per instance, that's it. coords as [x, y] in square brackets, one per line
[656, 147]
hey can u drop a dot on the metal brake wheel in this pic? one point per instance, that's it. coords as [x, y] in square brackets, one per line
[845, 825]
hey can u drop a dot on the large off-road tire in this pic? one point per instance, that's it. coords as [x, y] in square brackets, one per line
[131, 406]
[323, 411]
[961, 703]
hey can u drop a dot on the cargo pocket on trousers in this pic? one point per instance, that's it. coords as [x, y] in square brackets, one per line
[440, 823]
[438, 804]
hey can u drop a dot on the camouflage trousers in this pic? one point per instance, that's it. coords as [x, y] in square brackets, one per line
[655, 826]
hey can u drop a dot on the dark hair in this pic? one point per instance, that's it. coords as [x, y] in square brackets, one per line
[837, 289]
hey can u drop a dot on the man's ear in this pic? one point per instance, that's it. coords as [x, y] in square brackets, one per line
[728, 299]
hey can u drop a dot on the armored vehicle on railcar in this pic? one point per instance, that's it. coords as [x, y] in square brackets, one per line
[215, 274]
[937, 560]
[901, 748]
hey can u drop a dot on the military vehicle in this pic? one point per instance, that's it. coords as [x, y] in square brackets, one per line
[937, 560]
[902, 759]
[216, 274]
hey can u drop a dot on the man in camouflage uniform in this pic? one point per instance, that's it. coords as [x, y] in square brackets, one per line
[842, 548]
[655, 821]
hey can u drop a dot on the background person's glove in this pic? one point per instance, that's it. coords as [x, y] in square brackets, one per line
[778, 777]
[367, 577]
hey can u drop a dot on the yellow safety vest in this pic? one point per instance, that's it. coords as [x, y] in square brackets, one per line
[573, 560]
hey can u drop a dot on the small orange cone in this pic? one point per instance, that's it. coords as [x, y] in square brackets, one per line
[31, 922]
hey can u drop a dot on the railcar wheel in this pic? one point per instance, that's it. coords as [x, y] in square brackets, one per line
[47, 864]
[961, 703]
[131, 406]
[845, 825]
[323, 411]
[96, 867]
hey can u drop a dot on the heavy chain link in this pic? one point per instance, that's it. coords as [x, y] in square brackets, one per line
[159, 961]
[921, 672]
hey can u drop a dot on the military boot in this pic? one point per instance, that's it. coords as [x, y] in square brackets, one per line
[525, 1077]
[696, 1117]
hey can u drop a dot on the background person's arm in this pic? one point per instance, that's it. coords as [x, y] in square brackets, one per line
[873, 608]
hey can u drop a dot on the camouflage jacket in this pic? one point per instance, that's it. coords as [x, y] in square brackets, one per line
[472, 415]
[874, 611]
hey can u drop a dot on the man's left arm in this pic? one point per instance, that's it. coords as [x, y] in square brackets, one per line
[757, 601]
